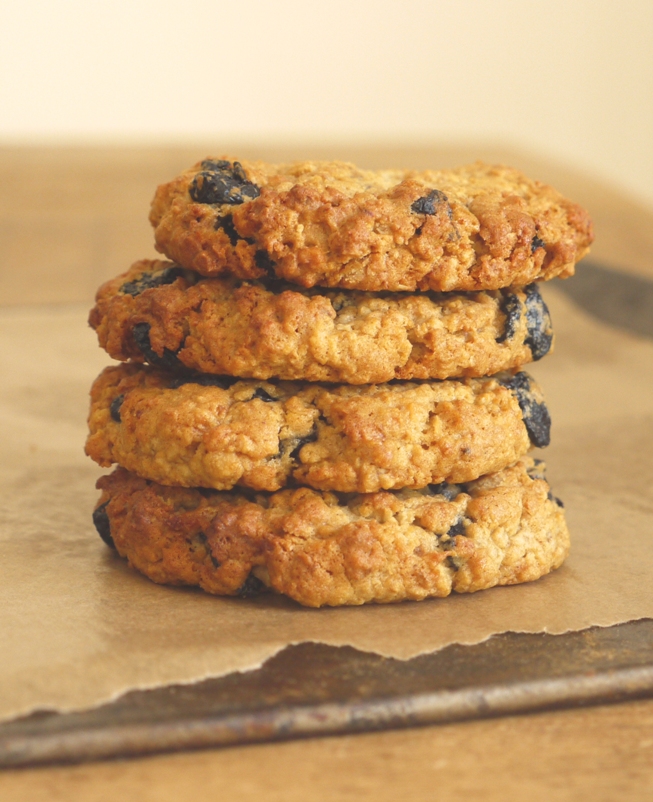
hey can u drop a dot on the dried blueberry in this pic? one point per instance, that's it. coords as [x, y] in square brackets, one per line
[535, 414]
[150, 280]
[239, 173]
[114, 409]
[215, 165]
[204, 541]
[338, 302]
[264, 262]
[103, 525]
[429, 203]
[538, 323]
[537, 470]
[252, 586]
[168, 360]
[511, 307]
[222, 182]
[448, 541]
[454, 562]
[450, 492]
[551, 497]
[302, 441]
[226, 223]
[263, 395]
[457, 529]
[536, 243]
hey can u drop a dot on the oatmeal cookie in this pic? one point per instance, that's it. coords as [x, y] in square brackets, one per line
[218, 432]
[331, 224]
[322, 549]
[160, 313]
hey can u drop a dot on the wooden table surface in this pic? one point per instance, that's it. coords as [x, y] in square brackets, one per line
[71, 218]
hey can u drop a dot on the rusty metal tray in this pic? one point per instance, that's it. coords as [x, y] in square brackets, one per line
[313, 689]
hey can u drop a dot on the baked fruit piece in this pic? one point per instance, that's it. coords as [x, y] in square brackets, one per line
[478, 227]
[172, 317]
[211, 431]
[322, 549]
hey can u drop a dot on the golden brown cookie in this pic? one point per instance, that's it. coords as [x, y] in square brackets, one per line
[321, 549]
[331, 224]
[158, 312]
[218, 432]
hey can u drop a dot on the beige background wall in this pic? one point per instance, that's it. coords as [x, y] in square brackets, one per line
[572, 79]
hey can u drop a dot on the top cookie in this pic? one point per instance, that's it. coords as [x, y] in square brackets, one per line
[331, 224]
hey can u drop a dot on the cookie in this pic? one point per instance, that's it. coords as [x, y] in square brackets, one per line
[331, 224]
[323, 549]
[218, 432]
[171, 317]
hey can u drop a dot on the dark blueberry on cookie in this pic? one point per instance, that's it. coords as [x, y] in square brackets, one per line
[168, 360]
[555, 499]
[239, 173]
[222, 182]
[215, 165]
[203, 541]
[511, 307]
[429, 203]
[536, 243]
[338, 302]
[262, 259]
[450, 492]
[150, 280]
[537, 470]
[302, 441]
[448, 541]
[103, 525]
[226, 223]
[263, 395]
[252, 586]
[535, 414]
[114, 409]
[538, 323]
[457, 529]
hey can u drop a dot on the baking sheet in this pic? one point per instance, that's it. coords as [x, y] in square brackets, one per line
[80, 628]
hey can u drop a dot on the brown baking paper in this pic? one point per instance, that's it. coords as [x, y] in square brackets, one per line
[78, 627]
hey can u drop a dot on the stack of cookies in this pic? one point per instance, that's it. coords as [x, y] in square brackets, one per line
[321, 391]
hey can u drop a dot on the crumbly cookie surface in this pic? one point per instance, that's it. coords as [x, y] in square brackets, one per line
[218, 432]
[320, 549]
[158, 312]
[478, 227]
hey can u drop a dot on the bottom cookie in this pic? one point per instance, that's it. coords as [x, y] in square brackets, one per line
[321, 548]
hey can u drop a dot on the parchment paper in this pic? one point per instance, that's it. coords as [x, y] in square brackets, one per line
[78, 627]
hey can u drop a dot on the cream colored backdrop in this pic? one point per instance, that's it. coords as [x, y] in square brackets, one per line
[572, 79]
